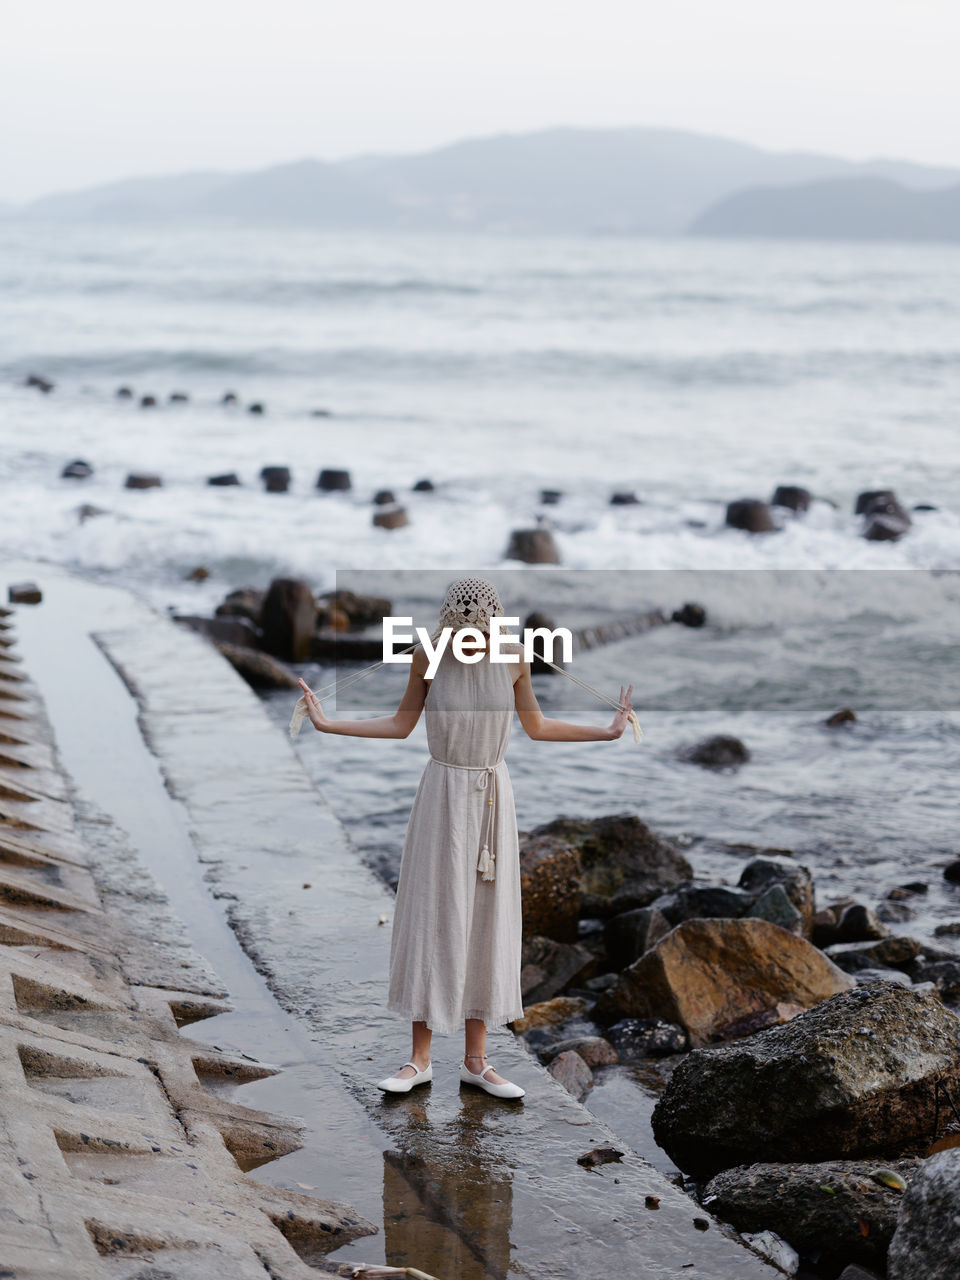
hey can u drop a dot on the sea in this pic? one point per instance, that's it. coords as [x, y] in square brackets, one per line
[685, 372]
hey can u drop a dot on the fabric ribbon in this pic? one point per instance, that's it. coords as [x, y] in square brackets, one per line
[486, 781]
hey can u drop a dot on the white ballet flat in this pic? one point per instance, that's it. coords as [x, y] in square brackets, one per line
[507, 1090]
[396, 1084]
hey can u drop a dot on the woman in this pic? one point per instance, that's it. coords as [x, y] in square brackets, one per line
[455, 952]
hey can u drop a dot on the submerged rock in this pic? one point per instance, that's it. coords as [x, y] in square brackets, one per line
[851, 1078]
[722, 751]
[690, 615]
[275, 479]
[845, 1209]
[142, 480]
[846, 715]
[708, 975]
[885, 520]
[331, 479]
[258, 669]
[925, 1244]
[390, 518]
[77, 470]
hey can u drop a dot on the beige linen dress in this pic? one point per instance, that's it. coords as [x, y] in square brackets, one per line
[455, 951]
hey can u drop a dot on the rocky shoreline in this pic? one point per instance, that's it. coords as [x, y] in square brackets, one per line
[809, 1059]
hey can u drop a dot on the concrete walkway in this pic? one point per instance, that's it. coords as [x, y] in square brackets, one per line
[463, 1186]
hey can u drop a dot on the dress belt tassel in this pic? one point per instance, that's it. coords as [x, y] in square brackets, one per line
[486, 781]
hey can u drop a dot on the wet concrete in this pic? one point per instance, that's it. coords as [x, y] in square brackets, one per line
[463, 1185]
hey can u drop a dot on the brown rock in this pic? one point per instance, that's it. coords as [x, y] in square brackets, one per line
[549, 887]
[551, 1013]
[846, 716]
[245, 602]
[24, 593]
[594, 1050]
[288, 619]
[709, 974]
[532, 546]
[391, 518]
[570, 1070]
[629, 935]
[258, 669]
[750, 514]
[142, 480]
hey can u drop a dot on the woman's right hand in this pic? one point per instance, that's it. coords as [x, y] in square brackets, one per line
[620, 719]
[318, 717]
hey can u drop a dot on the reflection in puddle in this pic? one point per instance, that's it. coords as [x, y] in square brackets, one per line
[447, 1206]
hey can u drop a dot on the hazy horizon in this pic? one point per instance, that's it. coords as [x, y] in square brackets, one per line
[110, 91]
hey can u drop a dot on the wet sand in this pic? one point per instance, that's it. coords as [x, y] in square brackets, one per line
[225, 816]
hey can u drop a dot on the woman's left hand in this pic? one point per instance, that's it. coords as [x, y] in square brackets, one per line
[318, 717]
[620, 719]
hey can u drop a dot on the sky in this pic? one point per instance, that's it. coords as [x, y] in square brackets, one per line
[93, 90]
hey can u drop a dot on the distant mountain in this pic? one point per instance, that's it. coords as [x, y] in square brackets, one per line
[850, 208]
[632, 181]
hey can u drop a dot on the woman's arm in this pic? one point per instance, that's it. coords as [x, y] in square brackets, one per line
[539, 727]
[399, 725]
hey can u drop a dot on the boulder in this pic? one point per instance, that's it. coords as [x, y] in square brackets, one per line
[228, 397]
[763, 873]
[275, 479]
[77, 470]
[257, 408]
[391, 518]
[949, 930]
[550, 1013]
[532, 546]
[702, 902]
[898, 952]
[951, 871]
[384, 498]
[148, 402]
[628, 935]
[690, 615]
[594, 1050]
[288, 619]
[24, 593]
[912, 889]
[332, 478]
[124, 393]
[895, 912]
[845, 716]
[224, 479]
[722, 751]
[843, 1210]
[869, 496]
[944, 974]
[570, 1070]
[885, 520]
[361, 611]
[142, 480]
[547, 966]
[851, 1078]
[258, 669]
[924, 1245]
[862, 976]
[245, 602]
[792, 497]
[179, 397]
[637, 1038]
[750, 514]
[624, 498]
[423, 486]
[623, 864]
[550, 497]
[708, 975]
[549, 887]
[774, 905]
